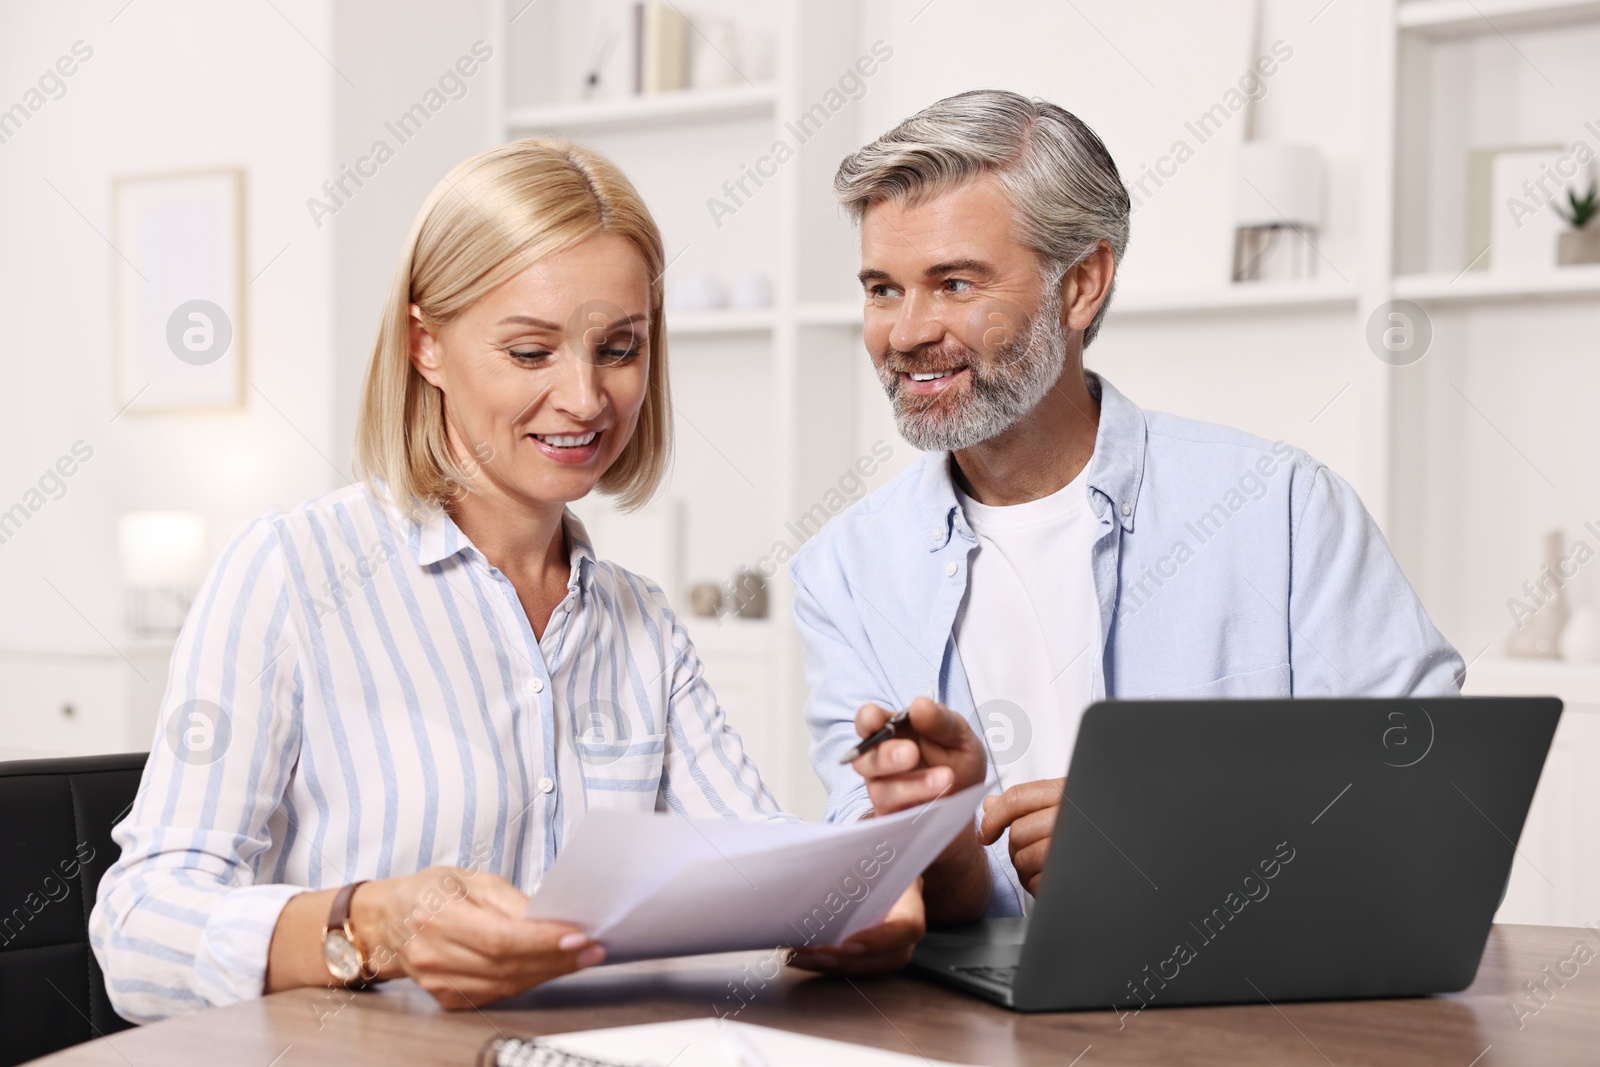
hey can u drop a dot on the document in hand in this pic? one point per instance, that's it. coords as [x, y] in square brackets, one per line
[649, 884]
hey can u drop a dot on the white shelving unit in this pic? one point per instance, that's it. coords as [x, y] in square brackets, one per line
[1555, 879]
[699, 323]
[743, 399]
[1466, 287]
[77, 704]
[1467, 17]
[1266, 296]
[769, 420]
[1478, 453]
[685, 106]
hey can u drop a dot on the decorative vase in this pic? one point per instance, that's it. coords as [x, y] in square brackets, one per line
[1579, 246]
[705, 600]
[750, 594]
[1539, 635]
[1580, 641]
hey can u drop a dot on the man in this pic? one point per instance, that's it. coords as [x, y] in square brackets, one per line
[1056, 544]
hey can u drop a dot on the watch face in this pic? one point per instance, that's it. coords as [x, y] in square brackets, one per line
[342, 957]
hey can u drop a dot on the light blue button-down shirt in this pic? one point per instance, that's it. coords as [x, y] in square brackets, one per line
[1226, 566]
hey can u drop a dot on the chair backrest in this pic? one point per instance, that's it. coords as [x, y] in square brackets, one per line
[56, 817]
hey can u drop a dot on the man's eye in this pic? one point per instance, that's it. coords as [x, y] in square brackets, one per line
[880, 292]
[957, 285]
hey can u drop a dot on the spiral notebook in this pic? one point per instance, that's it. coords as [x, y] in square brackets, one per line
[690, 1043]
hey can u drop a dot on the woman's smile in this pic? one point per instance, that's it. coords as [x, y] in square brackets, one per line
[570, 448]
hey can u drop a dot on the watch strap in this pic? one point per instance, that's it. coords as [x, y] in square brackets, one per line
[339, 919]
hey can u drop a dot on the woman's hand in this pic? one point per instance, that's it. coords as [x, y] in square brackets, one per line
[460, 935]
[885, 947]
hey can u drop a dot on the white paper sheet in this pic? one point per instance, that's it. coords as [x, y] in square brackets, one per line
[714, 1043]
[649, 885]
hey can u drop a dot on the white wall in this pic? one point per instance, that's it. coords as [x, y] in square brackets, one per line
[393, 52]
[169, 85]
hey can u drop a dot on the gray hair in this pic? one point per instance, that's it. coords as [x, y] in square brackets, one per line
[1062, 182]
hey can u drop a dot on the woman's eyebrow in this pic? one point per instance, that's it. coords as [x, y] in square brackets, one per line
[528, 320]
[545, 324]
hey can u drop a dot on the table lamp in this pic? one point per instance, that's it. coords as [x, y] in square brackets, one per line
[1277, 209]
[163, 555]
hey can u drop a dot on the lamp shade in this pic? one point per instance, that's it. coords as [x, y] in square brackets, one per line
[1277, 185]
[161, 548]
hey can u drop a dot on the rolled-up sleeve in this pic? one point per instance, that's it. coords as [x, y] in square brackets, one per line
[838, 683]
[1356, 627]
[180, 921]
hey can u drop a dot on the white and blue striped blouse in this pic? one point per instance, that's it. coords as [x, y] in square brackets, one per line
[358, 695]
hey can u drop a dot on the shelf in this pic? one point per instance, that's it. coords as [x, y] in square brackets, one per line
[682, 106]
[1574, 683]
[1465, 17]
[831, 313]
[1487, 286]
[685, 323]
[1246, 296]
[732, 636]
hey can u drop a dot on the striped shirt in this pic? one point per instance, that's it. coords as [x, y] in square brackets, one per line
[358, 695]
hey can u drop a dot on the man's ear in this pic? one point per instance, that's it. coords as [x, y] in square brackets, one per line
[424, 349]
[1085, 286]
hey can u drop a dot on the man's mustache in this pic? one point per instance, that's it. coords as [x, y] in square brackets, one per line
[942, 357]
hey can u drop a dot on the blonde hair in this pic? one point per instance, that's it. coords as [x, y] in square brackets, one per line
[488, 219]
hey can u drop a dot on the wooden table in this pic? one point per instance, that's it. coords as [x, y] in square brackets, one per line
[399, 1024]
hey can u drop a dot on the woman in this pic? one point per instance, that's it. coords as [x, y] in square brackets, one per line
[390, 705]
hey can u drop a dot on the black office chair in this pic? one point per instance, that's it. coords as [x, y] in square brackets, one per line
[55, 844]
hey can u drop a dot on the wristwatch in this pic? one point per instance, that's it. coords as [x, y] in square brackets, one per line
[342, 952]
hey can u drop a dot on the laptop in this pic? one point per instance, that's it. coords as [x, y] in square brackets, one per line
[1213, 852]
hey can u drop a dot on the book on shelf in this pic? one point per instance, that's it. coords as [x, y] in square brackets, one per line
[661, 58]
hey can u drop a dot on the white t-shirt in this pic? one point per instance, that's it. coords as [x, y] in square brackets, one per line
[1028, 630]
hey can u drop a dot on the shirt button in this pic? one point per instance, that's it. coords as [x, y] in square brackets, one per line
[537, 684]
[567, 605]
[951, 568]
[1127, 509]
[546, 785]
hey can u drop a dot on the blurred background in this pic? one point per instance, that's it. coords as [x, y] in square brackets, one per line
[1360, 226]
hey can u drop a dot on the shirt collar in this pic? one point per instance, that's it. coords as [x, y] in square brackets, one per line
[434, 537]
[1116, 470]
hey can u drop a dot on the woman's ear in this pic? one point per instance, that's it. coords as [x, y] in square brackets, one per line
[424, 348]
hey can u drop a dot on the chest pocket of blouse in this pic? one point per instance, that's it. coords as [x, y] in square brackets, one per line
[623, 776]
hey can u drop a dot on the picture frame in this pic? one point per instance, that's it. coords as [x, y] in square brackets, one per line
[178, 307]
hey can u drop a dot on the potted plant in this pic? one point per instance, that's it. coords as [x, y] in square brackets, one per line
[1581, 244]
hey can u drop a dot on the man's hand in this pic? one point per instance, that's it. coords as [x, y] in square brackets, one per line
[885, 947]
[1029, 809]
[933, 753]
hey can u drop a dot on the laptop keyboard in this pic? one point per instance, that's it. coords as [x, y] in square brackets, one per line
[1002, 975]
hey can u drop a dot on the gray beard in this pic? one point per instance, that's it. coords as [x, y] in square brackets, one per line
[1005, 386]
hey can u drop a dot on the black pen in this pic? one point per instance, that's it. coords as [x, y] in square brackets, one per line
[877, 737]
